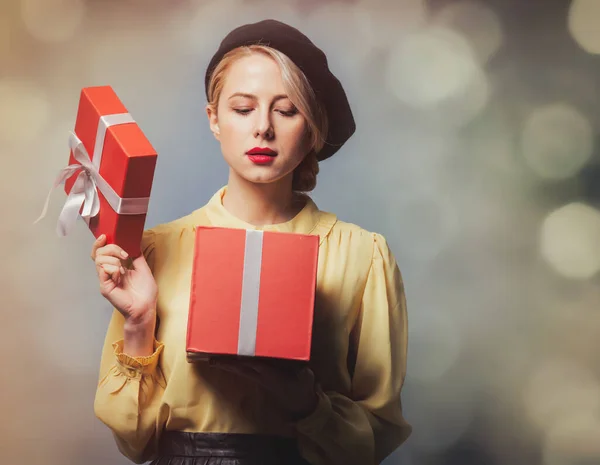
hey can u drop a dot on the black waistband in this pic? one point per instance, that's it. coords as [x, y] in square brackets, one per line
[252, 446]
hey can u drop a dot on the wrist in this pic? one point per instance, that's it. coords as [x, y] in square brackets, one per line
[141, 320]
[138, 336]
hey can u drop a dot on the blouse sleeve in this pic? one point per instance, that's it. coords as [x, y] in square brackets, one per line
[130, 389]
[367, 426]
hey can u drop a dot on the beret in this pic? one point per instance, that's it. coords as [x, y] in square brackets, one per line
[313, 63]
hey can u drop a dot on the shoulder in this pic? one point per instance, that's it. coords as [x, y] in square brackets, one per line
[356, 235]
[359, 256]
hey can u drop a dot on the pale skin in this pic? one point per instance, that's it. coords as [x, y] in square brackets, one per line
[253, 111]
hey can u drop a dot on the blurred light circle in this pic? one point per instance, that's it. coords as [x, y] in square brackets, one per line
[430, 66]
[383, 22]
[435, 343]
[574, 441]
[557, 141]
[208, 24]
[464, 106]
[348, 48]
[287, 12]
[478, 23]
[570, 240]
[558, 390]
[52, 20]
[583, 24]
[24, 111]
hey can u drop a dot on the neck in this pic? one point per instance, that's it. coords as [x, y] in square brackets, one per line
[261, 204]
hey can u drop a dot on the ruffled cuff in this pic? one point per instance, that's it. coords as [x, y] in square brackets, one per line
[135, 367]
[314, 422]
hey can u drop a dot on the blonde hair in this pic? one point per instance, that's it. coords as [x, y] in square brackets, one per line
[300, 93]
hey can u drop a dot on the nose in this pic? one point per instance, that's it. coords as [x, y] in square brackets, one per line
[264, 125]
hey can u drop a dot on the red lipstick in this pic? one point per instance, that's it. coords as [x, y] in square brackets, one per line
[261, 155]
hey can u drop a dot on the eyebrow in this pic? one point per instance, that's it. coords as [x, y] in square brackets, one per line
[254, 97]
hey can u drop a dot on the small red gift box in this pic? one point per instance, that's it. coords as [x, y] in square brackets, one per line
[252, 294]
[110, 172]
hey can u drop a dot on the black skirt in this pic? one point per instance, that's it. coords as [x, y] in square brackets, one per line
[180, 448]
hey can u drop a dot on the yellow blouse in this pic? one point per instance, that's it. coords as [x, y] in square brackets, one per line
[358, 351]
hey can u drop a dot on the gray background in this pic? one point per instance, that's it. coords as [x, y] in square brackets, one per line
[476, 156]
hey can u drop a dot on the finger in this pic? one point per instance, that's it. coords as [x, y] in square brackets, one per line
[103, 275]
[106, 277]
[99, 242]
[108, 260]
[113, 271]
[112, 250]
[109, 273]
[112, 261]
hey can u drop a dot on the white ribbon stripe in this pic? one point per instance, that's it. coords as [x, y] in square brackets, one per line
[250, 293]
[85, 189]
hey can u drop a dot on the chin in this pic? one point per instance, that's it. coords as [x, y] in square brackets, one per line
[266, 176]
[262, 179]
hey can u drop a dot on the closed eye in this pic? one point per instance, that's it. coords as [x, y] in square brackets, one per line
[246, 111]
[288, 113]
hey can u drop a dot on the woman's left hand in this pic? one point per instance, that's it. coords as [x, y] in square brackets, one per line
[293, 387]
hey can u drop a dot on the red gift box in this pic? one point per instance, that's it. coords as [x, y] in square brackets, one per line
[252, 294]
[110, 172]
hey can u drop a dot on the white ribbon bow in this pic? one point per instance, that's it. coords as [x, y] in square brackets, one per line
[84, 192]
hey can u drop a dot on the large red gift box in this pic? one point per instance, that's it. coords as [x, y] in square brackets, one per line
[110, 172]
[252, 294]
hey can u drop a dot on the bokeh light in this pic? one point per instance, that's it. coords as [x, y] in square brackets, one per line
[462, 108]
[206, 24]
[24, 112]
[557, 141]
[383, 22]
[53, 20]
[583, 20]
[570, 240]
[430, 66]
[475, 156]
[559, 389]
[475, 21]
[317, 22]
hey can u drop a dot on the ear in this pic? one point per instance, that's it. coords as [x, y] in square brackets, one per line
[213, 121]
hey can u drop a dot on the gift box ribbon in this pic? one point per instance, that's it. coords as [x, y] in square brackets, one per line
[250, 292]
[84, 192]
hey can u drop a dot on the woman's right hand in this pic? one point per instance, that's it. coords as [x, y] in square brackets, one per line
[133, 292]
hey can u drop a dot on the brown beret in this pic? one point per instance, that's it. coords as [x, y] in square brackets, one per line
[313, 63]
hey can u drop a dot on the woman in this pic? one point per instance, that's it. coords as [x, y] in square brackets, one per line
[276, 110]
